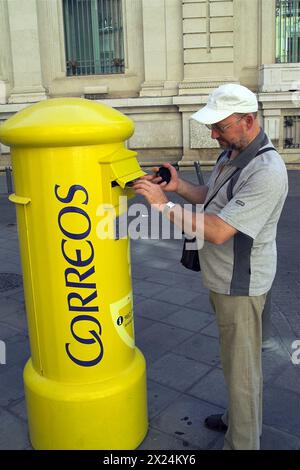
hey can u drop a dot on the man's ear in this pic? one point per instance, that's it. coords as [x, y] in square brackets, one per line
[249, 118]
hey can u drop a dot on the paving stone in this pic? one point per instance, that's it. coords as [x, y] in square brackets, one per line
[11, 384]
[141, 324]
[17, 320]
[176, 279]
[289, 379]
[12, 245]
[137, 299]
[18, 295]
[167, 278]
[7, 331]
[158, 339]
[284, 327]
[201, 302]
[218, 443]
[176, 371]
[156, 263]
[282, 409]
[176, 296]
[173, 243]
[211, 330]
[147, 289]
[141, 272]
[274, 362]
[154, 309]
[178, 268]
[157, 440]
[12, 255]
[19, 409]
[273, 438]
[9, 307]
[294, 321]
[165, 253]
[13, 267]
[13, 432]
[201, 348]
[159, 397]
[17, 350]
[189, 319]
[211, 388]
[184, 419]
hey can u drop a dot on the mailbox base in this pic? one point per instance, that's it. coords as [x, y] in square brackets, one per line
[106, 415]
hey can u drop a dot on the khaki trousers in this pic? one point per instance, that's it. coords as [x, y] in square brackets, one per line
[239, 321]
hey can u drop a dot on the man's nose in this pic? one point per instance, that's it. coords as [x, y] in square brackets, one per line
[215, 134]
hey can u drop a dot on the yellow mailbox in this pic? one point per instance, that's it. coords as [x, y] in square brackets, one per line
[85, 383]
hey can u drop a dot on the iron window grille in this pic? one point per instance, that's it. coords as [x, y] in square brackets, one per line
[93, 37]
[287, 31]
[291, 135]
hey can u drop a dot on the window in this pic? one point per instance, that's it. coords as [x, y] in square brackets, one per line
[93, 37]
[287, 31]
[291, 139]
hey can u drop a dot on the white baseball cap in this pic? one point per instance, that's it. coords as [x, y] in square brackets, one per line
[225, 101]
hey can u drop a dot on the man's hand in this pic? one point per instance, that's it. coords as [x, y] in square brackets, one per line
[173, 185]
[153, 192]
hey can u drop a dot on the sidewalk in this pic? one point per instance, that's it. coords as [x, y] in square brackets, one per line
[176, 331]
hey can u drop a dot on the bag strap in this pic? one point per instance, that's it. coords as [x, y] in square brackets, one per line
[267, 149]
[214, 195]
[234, 177]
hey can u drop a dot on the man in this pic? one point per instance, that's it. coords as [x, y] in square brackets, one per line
[238, 259]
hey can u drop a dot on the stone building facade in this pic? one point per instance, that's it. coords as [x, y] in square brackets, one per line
[175, 53]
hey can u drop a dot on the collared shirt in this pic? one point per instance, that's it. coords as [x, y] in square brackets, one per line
[246, 264]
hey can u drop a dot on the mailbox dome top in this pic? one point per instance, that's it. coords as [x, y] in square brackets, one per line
[64, 122]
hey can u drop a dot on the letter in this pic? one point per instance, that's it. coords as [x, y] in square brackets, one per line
[2, 352]
[105, 228]
[121, 224]
[74, 295]
[154, 225]
[296, 354]
[79, 261]
[72, 190]
[75, 210]
[81, 277]
[96, 360]
[140, 222]
[85, 318]
[166, 228]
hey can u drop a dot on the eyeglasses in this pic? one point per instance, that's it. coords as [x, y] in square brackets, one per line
[221, 129]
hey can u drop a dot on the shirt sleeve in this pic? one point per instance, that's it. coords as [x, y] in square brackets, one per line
[254, 201]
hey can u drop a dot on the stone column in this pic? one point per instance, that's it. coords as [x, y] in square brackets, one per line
[51, 40]
[5, 54]
[267, 31]
[162, 25]
[25, 50]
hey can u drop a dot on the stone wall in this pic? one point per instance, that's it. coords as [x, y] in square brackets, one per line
[176, 53]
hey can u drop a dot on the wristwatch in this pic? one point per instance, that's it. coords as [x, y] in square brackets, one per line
[168, 206]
